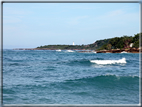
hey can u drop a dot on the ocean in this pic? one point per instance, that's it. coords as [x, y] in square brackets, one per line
[64, 77]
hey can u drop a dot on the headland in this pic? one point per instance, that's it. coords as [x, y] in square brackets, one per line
[125, 44]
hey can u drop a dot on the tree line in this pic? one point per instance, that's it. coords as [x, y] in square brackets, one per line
[108, 44]
[122, 42]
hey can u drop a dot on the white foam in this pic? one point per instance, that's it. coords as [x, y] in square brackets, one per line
[70, 51]
[124, 52]
[59, 50]
[123, 60]
[94, 52]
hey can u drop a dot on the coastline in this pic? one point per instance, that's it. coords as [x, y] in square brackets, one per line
[130, 50]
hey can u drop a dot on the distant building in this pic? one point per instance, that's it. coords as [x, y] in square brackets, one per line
[131, 44]
[73, 43]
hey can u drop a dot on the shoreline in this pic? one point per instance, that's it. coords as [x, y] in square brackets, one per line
[130, 50]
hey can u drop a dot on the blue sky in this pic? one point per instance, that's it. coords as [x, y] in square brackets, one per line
[29, 25]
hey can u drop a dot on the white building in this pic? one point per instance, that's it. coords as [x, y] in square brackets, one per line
[73, 43]
[131, 44]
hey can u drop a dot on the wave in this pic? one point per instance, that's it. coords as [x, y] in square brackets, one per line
[104, 80]
[7, 59]
[84, 62]
[88, 62]
[123, 60]
[111, 76]
[100, 82]
[15, 64]
[69, 51]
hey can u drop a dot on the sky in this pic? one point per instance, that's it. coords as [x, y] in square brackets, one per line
[29, 25]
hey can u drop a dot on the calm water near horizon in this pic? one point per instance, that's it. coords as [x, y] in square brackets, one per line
[51, 77]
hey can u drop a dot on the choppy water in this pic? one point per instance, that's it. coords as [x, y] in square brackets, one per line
[51, 77]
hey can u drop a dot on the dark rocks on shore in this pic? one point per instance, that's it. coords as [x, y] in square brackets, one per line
[131, 50]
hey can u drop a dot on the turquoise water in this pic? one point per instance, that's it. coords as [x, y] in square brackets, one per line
[51, 77]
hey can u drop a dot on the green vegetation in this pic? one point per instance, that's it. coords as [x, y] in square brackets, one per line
[136, 41]
[122, 42]
[108, 44]
[63, 47]
[98, 44]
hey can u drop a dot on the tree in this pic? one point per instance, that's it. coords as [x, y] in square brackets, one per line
[109, 46]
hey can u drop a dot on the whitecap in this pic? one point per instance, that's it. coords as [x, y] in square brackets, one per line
[70, 51]
[59, 50]
[123, 60]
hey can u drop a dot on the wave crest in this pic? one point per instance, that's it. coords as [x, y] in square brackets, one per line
[123, 60]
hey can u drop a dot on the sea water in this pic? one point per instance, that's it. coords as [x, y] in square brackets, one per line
[52, 77]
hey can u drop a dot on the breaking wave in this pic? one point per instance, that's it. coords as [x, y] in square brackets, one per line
[123, 60]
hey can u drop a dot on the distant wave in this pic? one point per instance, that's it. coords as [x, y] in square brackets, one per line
[69, 51]
[123, 60]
